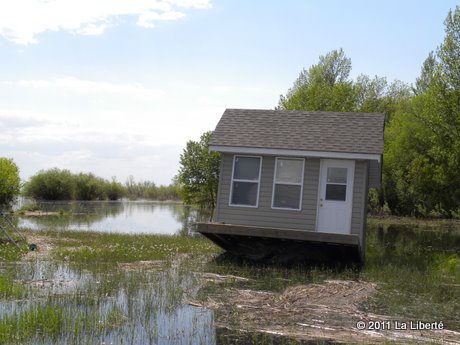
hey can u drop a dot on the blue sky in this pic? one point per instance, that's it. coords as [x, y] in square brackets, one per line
[117, 87]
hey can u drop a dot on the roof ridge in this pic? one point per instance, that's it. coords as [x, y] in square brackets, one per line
[304, 111]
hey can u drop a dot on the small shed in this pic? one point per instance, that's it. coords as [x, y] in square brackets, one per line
[294, 182]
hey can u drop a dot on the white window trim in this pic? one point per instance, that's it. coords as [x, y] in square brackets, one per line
[241, 180]
[337, 184]
[288, 183]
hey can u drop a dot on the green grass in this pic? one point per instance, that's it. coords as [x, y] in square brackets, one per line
[9, 289]
[49, 323]
[10, 252]
[110, 248]
[23, 326]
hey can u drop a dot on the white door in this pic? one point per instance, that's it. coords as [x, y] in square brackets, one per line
[335, 196]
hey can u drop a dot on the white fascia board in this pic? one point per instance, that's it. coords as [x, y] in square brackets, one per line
[295, 153]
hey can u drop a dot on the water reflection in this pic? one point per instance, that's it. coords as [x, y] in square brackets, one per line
[117, 216]
[111, 307]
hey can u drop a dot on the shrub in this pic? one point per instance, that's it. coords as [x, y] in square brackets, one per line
[52, 184]
[114, 190]
[9, 182]
[89, 187]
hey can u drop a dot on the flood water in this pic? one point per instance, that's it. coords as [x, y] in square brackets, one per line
[132, 217]
[415, 266]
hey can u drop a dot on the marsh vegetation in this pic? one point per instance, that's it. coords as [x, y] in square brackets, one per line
[87, 287]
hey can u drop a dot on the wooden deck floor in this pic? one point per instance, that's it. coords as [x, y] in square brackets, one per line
[289, 234]
[239, 239]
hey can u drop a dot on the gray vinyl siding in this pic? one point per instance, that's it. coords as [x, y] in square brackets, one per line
[359, 198]
[305, 219]
[375, 174]
[264, 215]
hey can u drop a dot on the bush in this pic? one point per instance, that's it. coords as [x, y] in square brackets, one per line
[89, 187]
[52, 184]
[9, 182]
[56, 184]
[149, 190]
[114, 190]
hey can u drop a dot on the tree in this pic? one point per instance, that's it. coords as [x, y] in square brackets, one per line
[52, 184]
[89, 187]
[324, 86]
[422, 153]
[114, 190]
[426, 76]
[199, 173]
[327, 86]
[9, 182]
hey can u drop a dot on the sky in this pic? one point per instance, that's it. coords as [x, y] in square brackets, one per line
[117, 87]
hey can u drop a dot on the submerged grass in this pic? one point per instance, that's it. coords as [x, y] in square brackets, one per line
[49, 323]
[416, 268]
[23, 326]
[417, 272]
[9, 289]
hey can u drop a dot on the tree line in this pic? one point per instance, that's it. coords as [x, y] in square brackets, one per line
[421, 161]
[61, 184]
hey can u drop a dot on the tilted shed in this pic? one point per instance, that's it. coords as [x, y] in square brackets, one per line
[294, 176]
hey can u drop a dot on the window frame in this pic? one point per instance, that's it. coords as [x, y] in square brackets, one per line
[232, 180]
[336, 184]
[288, 184]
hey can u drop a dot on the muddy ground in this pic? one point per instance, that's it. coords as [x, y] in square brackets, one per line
[329, 311]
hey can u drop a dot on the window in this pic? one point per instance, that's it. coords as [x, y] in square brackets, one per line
[336, 186]
[287, 183]
[245, 181]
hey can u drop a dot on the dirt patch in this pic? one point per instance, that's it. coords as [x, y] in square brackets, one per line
[328, 311]
[44, 247]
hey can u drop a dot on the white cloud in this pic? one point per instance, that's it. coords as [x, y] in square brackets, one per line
[22, 20]
[91, 87]
[124, 128]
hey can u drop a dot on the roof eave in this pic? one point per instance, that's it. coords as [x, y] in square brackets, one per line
[295, 153]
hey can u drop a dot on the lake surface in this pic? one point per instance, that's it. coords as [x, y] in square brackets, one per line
[116, 216]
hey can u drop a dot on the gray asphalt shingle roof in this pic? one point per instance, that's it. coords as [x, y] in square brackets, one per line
[301, 130]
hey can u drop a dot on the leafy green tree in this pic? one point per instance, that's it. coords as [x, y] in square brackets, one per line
[89, 187]
[422, 153]
[323, 87]
[9, 182]
[52, 184]
[114, 190]
[326, 86]
[199, 173]
[427, 74]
